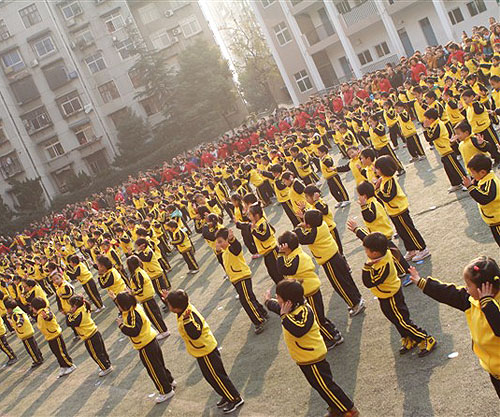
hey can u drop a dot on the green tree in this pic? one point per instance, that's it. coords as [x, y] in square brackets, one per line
[29, 194]
[5, 211]
[133, 134]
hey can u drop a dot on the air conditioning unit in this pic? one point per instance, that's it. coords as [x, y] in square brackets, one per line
[175, 39]
[87, 108]
[70, 22]
[72, 75]
[34, 63]
[168, 13]
[176, 31]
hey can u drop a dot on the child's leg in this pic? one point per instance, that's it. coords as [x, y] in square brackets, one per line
[4, 345]
[248, 301]
[336, 236]
[32, 348]
[495, 230]
[407, 231]
[272, 267]
[412, 147]
[289, 212]
[97, 350]
[212, 368]
[338, 274]
[319, 376]
[496, 384]
[153, 312]
[8, 326]
[91, 290]
[152, 359]
[453, 169]
[393, 134]
[337, 189]
[246, 234]
[190, 260]
[160, 284]
[58, 348]
[326, 327]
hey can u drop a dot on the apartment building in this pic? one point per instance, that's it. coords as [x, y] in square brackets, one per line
[318, 44]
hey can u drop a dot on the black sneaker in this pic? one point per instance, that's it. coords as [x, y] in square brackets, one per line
[233, 405]
[223, 402]
[259, 328]
[36, 364]
[337, 340]
[12, 361]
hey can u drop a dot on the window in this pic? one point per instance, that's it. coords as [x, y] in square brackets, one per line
[71, 10]
[282, 33]
[190, 27]
[382, 49]
[85, 134]
[53, 148]
[25, 90]
[84, 39]
[456, 16]
[95, 62]
[44, 46]
[36, 120]
[343, 6]
[160, 39]
[56, 75]
[266, 3]
[149, 13]
[125, 48]
[475, 7]
[365, 57]
[4, 31]
[303, 81]
[30, 16]
[70, 104]
[10, 165]
[108, 91]
[114, 22]
[135, 78]
[151, 105]
[13, 61]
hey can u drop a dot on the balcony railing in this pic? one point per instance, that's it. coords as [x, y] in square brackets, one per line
[393, 59]
[318, 34]
[360, 13]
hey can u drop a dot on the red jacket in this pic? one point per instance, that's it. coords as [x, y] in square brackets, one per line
[254, 139]
[301, 119]
[416, 70]
[385, 85]
[337, 104]
[168, 175]
[271, 130]
[362, 94]
[348, 96]
[132, 189]
[457, 54]
[284, 126]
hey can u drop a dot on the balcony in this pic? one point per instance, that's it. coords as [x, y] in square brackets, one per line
[92, 146]
[318, 34]
[365, 10]
[380, 64]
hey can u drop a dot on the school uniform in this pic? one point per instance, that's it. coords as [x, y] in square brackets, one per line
[479, 120]
[24, 331]
[52, 332]
[242, 223]
[332, 178]
[84, 277]
[381, 144]
[267, 246]
[4, 344]
[181, 241]
[112, 281]
[283, 197]
[155, 271]
[409, 132]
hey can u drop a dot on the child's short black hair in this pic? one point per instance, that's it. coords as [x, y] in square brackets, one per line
[366, 188]
[178, 299]
[431, 114]
[431, 94]
[369, 153]
[290, 290]
[75, 259]
[30, 283]
[464, 126]
[495, 78]
[250, 198]
[468, 93]
[106, 262]
[484, 269]
[324, 148]
[290, 239]
[313, 217]
[276, 168]
[376, 242]
[222, 233]
[38, 303]
[386, 165]
[311, 190]
[125, 300]
[480, 162]
[10, 303]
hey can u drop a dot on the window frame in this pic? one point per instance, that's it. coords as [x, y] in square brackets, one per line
[302, 79]
[4, 30]
[125, 46]
[43, 39]
[363, 54]
[70, 6]
[82, 129]
[155, 36]
[266, 3]
[42, 116]
[4, 167]
[28, 16]
[152, 13]
[382, 49]
[281, 32]
[188, 21]
[70, 98]
[110, 19]
[54, 145]
[107, 91]
[21, 60]
[452, 15]
[475, 4]
[94, 62]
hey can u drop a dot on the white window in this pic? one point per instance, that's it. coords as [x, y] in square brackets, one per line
[30, 16]
[475, 7]
[108, 91]
[84, 38]
[85, 134]
[4, 30]
[44, 46]
[382, 49]
[70, 104]
[36, 120]
[13, 61]
[160, 39]
[190, 26]
[303, 81]
[282, 33]
[266, 3]
[365, 57]
[456, 16]
[95, 62]
[114, 22]
[125, 48]
[149, 13]
[71, 10]
[53, 148]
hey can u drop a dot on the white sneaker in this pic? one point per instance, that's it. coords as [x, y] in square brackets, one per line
[345, 203]
[104, 372]
[358, 308]
[409, 255]
[338, 204]
[173, 384]
[237, 296]
[194, 271]
[421, 255]
[164, 397]
[163, 335]
[69, 370]
[454, 188]
[62, 372]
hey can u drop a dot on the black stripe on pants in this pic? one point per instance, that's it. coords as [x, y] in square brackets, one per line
[393, 134]
[164, 265]
[495, 230]
[152, 359]
[496, 384]
[153, 312]
[32, 348]
[249, 302]
[337, 189]
[58, 348]
[491, 136]
[8, 326]
[319, 376]
[326, 327]
[387, 150]
[270, 260]
[337, 271]
[287, 206]
[453, 169]
[414, 146]
[160, 283]
[4, 345]
[212, 368]
[407, 231]
[190, 260]
[396, 311]
[93, 293]
[97, 351]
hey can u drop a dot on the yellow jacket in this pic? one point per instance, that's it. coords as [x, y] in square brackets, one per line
[381, 277]
[48, 326]
[487, 195]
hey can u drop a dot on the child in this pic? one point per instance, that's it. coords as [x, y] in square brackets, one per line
[396, 204]
[381, 143]
[306, 346]
[84, 276]
[47, 323]
[80, 319]
[469, 145]
[24, 331]
[479, 300]
[181, 240]
[109, 278]
[409, 132]
[240, 276]
[134, 323]
[295, 264]
[332, 177]
[152, 265]
[4, 345]
[242, 223]
[485, 190]
[379, 275]
[200, 343]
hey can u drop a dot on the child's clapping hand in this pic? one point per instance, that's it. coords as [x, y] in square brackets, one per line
[414, 275]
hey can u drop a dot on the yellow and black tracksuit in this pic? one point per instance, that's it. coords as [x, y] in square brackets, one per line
[381, 144]
[391, 119]
[354, 166]
[24, 330]
[381, 278]
[64, 292]
[208, 232]
[479, 120]
[4, 344]
[267, 246]
[47, 323]
[152, 266]
[201, 343]
[242, 223]
[333, 180]
[299, 266]
[181, 240]
[142, 288]
[325, 250]
[409, 132]
[84, 276]
[81, 321]
[470, 147]
[137, 326]
[396, 205]
[308, 350]
[321, 206]
[41, 278]
[283, 197]
[483, 319]
[112, 281]
[302, 165]
[486, 193]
